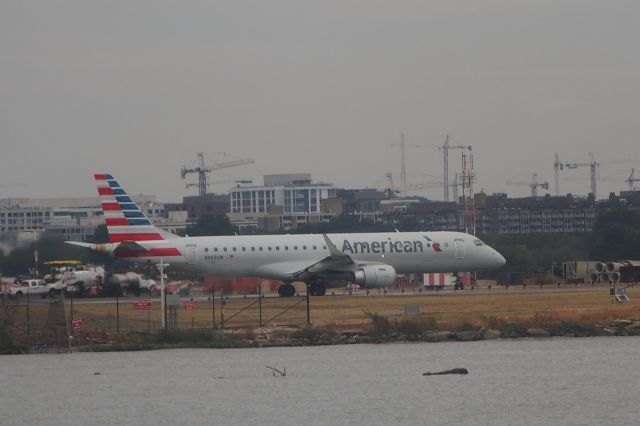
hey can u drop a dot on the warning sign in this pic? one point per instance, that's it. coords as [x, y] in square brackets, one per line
[76, 324]
[143, 305]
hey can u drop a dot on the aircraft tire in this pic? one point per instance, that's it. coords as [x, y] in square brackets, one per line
[317, 290]
[286, 290]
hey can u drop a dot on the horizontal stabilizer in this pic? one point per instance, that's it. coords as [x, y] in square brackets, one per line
[121, 249]
[80, 244]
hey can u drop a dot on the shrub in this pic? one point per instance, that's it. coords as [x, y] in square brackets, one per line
[382, 327]
[170, 339]
[581, 329]
[466, 326]
[413, 329]
[308, 333]
[432, 324]
[8, 346]
[508, 329]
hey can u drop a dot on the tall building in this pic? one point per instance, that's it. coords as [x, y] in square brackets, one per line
[73, 218]
[498, 214]
[283, 202]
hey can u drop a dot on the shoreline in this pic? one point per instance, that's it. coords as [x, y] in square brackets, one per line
[382, 331]
[459, 316]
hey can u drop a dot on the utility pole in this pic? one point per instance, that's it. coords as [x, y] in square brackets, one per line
[445, 151]
[163, 300]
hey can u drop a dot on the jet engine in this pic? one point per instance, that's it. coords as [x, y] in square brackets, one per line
[376, 276]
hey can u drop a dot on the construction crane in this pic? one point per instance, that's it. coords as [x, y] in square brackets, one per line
[534, 184]
[556, 175]
[468, 177]
[455, 186]
[437, 184]
[237, 181]
[445, 179]
[391, 191]
[201, 170]
[592, 164]
[632, 179]
[403, 168]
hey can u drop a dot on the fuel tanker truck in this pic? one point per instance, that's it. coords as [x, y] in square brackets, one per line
[129, 282]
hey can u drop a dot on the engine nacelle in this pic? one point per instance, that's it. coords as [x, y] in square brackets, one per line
[375, 276]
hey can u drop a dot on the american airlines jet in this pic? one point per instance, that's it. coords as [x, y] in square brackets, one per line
[371, 260]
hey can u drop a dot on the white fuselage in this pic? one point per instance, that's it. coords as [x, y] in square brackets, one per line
[280, 256]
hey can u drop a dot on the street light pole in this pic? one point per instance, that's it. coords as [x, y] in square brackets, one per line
[163, 308]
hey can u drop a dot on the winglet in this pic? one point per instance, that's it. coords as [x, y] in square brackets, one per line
[335, 258]
[332, 247]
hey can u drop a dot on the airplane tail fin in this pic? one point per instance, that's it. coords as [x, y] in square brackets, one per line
[124, 219]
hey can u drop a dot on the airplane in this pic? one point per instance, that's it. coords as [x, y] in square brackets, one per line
[371, 260]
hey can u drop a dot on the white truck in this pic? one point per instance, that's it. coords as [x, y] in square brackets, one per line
[31, 287]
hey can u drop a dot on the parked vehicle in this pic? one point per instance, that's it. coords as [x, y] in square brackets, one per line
[31, 287]
[56, 288]
[147, 285]
[81, 282]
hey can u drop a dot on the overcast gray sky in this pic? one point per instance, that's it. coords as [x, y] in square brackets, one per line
[136, 88]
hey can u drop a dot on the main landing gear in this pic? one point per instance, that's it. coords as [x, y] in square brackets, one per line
[316, 289]
[288, 290]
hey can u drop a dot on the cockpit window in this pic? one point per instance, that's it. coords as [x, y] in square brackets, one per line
[478, 243]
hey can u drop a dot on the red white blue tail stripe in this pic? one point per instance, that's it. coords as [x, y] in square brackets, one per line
[124, 219]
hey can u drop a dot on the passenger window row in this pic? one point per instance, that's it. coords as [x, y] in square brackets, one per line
[260, 248]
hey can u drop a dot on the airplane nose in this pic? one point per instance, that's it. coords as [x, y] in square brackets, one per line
[500, 260]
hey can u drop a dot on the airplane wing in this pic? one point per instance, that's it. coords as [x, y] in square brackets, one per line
[302, 270]
[336, 261]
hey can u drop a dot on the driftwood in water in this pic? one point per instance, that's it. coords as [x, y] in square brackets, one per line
[452, 371]
[282, 373]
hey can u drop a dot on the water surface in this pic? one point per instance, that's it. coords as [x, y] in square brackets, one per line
[559, 381]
